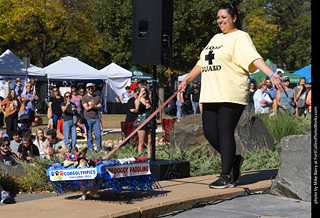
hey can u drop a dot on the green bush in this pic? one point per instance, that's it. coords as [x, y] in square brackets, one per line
[285, 124]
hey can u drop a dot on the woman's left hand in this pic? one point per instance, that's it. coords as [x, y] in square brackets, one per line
[276, 82]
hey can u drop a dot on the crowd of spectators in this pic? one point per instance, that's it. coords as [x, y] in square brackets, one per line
[293, 100]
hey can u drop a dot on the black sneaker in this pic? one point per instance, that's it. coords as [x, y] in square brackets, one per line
[223, 182]
[235, 172]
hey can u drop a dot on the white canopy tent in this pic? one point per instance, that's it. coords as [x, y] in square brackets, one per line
[117, 79]
[11, 65]
[70, 68]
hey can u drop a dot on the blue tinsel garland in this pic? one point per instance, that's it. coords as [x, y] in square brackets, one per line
[132, 183]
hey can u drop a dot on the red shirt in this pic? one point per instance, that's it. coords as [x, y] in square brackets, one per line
[133, 86]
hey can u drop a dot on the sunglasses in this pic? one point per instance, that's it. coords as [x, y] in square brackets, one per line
[5, 146]
[71, 157]
[68, 96]
[55, 90]
[90, 88]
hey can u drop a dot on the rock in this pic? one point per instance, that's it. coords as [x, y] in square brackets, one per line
[294, 174]
[250, 133]
[188, 133]
[17, 170]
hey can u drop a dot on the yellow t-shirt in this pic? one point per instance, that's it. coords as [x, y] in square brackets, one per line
[225, 65]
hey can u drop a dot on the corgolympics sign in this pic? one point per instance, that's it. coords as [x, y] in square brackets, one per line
[127, 170]
[73, 174]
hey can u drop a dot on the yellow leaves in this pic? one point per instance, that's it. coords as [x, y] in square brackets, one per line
[262, 32]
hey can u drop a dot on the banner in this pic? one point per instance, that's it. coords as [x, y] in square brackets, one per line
[127, 170]
[73, 174]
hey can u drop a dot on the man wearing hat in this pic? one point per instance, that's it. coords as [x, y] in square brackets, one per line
[92, 105]
[18, 88]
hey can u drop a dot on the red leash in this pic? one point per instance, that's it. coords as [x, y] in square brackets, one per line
[142, 124]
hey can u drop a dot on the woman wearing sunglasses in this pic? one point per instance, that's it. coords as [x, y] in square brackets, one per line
[69, 109]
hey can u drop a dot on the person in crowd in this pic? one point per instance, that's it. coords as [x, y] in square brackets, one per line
[60, 133]
[5, 196]
[55, 106]
[124, 98]
[273, 93]
[15, 142]
[32, 84]
[11, 107]
[179, 103]
[301, 93]
[6, 88]
[194, 97]
[252, 90]
[132, 113]
[285, 103]
[81, 94]
[69, 110]
[224, 66]
[309, 102]
[29, 98]
[40, 139]
[6, 156]
[134, 85]
[81, 128]
[262, 100]
[92, 105]
[75, 98]
[49, 115]
[1, 118]
[54, 146]
[143, 106]
[18, 88]
[270, 90]
[27, 149]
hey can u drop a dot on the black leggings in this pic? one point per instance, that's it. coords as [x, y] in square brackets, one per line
[219, 122]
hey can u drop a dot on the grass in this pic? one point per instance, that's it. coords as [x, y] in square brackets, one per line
[285, 124]
[201, 162]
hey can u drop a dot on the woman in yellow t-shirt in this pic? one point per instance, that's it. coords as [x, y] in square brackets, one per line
[224, 66]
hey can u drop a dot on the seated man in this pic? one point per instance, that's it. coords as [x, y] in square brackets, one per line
[27, 149]
[54, 146]
[15, 142]
[126, 95]
[6, 156]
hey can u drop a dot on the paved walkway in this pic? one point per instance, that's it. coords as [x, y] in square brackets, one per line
[179, 194]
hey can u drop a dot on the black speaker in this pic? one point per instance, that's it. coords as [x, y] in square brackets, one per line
[170, 169]
[152, 24]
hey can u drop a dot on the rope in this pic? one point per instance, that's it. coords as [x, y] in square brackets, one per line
[141, 125]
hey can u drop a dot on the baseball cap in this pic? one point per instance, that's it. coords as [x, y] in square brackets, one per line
[286, 78]
[89, 84]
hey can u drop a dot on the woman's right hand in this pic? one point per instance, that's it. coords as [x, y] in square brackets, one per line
[142, 93]
[182, 86]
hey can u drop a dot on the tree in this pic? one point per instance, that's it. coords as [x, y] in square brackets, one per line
[47, 30]
[292, 48]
